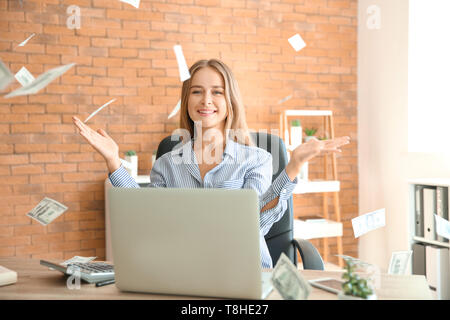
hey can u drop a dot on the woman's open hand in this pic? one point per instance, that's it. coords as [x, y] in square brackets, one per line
[101, 142]
[306, 151]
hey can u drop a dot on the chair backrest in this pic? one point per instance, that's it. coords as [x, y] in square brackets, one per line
[279, 238]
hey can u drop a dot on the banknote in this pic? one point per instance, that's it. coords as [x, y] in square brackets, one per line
[41, 82]
[175, 110]
[78, 259]
[24, 42]
[182, 66]
[6, 77]
[134, 3]
[288, 281]
[46, 211]
[297, 42]
[399, 262]
[442, 227]
[285, 99]
[96, 111]
[368, 222]
[24, 76]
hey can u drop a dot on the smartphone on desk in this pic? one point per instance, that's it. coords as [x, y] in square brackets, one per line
[328, 284]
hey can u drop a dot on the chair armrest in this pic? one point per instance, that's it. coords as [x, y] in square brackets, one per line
[310, 256]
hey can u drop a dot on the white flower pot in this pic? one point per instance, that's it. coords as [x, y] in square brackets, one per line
[296, 136]
[304, 172]
[342, 296]
[133, 171]
[307, 138]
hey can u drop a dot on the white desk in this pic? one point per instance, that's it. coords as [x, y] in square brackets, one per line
[38, 282]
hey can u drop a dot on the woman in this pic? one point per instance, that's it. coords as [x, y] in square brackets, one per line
[221, 153]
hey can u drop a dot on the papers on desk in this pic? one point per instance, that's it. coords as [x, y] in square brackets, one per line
[7, 276]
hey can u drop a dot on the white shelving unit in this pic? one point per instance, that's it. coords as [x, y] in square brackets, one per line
[439, 276]
[315, 230]
[314, 186]
[330, 228]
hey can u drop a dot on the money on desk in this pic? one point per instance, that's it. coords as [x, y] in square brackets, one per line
[46, 211]
[78, 259]
[288, 281]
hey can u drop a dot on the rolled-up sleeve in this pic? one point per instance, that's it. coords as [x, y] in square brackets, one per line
[121, 178]
[281, 188]
[258, 178]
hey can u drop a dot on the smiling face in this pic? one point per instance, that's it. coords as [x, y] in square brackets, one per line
[206, 99]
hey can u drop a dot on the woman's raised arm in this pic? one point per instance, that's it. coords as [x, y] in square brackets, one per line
[101, 142]
[306, 151]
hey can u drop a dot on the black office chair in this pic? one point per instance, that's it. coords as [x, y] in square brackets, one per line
[280, 238]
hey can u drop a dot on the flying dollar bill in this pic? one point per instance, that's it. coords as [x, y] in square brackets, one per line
[175, 110]
[96, 111]
[442, 227]
[288, 281]
[24, 42]
[399, 262]
[6, 77]
[297, 42]
[41, 82]
[134, 3]
[46, 211]
[24, 76]
[368, 222]
[182, 66]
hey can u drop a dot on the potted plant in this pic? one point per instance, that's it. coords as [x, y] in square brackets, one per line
[355, 287]
[132, 158]
[296, 134]
[310, 134]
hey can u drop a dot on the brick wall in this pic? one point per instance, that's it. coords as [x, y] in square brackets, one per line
[126, 53]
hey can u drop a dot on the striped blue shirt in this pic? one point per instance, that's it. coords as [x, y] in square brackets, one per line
[242, 166]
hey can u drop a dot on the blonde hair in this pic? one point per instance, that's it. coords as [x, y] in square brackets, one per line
[235, 123]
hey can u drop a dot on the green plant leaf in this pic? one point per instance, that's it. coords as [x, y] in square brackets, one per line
[295, 123]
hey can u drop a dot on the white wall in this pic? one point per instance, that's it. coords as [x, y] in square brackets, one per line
[384, 162]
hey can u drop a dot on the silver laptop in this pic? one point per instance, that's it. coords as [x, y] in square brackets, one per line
[194, 242]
